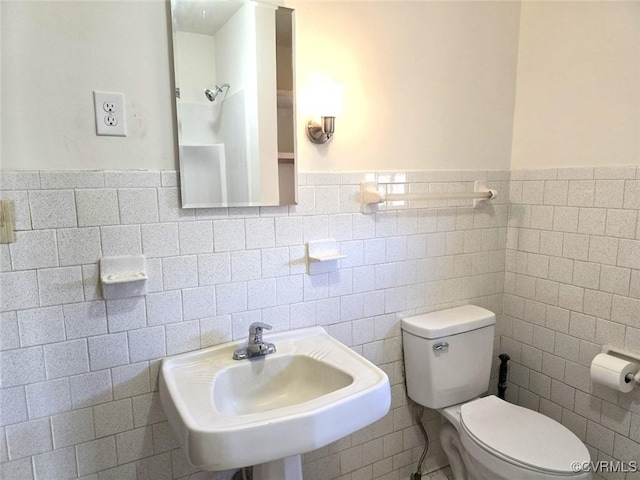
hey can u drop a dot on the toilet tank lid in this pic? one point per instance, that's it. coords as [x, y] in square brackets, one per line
[452, 321]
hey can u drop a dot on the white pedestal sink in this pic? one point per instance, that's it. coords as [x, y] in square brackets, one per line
[289, 468]
[267, 411]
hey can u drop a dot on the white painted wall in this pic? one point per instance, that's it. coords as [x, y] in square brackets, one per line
[428, 84]
[578, 95]
[54, 54]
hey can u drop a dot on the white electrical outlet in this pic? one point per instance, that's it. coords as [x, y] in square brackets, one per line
[110, 114]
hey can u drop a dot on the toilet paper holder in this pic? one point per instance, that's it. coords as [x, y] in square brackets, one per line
[625, 355]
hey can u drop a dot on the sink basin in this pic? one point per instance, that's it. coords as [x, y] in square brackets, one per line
[234, 413]
[281, 381]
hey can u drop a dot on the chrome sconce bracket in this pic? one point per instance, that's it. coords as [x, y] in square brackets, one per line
[321, 133]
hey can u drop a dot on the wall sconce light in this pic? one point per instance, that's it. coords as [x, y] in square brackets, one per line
[328, 103]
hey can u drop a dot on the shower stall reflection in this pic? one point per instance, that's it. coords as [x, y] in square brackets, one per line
[228, 76]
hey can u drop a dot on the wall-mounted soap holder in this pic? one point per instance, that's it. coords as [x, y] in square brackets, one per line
[323, 256]
[123, 277]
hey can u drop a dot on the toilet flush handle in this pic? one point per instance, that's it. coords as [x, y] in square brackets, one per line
[442, 346]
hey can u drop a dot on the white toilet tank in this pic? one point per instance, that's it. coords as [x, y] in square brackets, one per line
[447, 355]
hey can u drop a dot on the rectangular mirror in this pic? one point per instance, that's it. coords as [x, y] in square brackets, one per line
[233, 67]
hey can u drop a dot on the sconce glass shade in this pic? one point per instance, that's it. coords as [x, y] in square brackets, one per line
[328, 106]
[330, 99]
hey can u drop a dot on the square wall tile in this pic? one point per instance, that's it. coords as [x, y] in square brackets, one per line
[621, 223]
[85, 319]
[113, 417]
[91, 389]
[183, 337]
[22, 469]
[29, 438]
[34, 249]
[592, 221]
[609, 194]
[134, 445]
[581, 193]
[199, 302]
[160, 240]
[261, 293]
[73, 427]
[260, 233]
[215, 330]
[40, 326]
[147, 344]
[21, 366]
[138, 205]
[59, 464]
[126, 314]
[180, 272]
[97, 207]
[565, 219]
[556, 192]
[603, 250]
[60, 285]
[130, 380]
[53, 209]
[231, 298]
[96, 456]
[63, 359]
[48, 398]
[289, 231]
[214, 268]
[120, 240]
[245, 265]
[229, 235]
[195, 237]
[147, 410]
[106, 351]
[164, 307]
[78, 246]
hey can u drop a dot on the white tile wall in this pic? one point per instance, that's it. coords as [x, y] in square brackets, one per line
[583, 295]
[79, 374]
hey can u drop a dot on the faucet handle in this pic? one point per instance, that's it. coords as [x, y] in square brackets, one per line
[256, 327]
[255, 331]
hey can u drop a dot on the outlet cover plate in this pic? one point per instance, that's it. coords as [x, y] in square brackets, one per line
[110, 114]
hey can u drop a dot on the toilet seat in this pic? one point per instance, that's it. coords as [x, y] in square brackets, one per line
[521, 436]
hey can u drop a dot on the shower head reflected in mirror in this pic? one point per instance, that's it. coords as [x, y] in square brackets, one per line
[217, 90]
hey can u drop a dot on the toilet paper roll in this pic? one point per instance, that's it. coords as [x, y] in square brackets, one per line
[611, 371]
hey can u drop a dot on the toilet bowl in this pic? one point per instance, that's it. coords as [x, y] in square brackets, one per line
[501, 441]
[447, 358]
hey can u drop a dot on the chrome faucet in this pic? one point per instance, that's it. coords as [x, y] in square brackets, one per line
[256, 347]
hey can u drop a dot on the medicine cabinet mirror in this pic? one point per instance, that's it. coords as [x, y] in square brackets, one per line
[233, 67]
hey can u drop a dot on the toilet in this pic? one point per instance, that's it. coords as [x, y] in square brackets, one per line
[447, 357]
